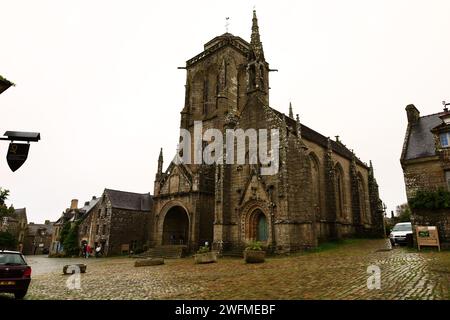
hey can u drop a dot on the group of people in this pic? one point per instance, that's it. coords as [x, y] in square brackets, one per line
[87, 251]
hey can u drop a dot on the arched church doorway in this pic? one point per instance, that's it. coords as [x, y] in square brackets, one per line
[259, 229]
[176, 227]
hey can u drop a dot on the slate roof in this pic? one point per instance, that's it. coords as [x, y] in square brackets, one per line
[316, 137]
[12, 219]
[89, 205]
[20, 211]
[35, 227]
[130, 200]
[420, 142]
[226, 39]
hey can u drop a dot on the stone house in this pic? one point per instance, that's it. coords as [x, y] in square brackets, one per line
[425, 161]
[67, 215]
[321, 190]
[16, 224]
[22, 225]
[38, 238]
[72, 215]
[119, 222]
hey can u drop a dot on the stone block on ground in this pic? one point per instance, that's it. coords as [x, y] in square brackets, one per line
[208, 257]
[148, 262]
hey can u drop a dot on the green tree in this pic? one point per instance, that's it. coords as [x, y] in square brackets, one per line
[64, 231]
[70, 241]
[4, 209]
[7, 241]
[431, 200]
[403, 213]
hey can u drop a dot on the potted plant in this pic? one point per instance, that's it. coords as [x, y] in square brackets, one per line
[254, 253]
[204, 255]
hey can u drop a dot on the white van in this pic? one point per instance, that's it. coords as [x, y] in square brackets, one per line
[399, 232]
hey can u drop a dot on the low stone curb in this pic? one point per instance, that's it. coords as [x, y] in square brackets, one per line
[148, 262]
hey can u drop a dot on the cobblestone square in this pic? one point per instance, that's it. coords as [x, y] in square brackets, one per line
[335, 271]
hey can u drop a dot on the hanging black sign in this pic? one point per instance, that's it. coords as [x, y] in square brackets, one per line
[17, 154]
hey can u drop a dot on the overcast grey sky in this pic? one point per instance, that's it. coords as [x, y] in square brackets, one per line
[99, 80]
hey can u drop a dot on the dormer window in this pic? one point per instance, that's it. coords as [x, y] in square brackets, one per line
[445, 139]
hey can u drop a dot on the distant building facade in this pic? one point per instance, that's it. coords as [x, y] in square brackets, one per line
[425, 155]
[38, 238]
[71, 215]
[22, 227]
[425, 161]
[16, 224]
[118, 223]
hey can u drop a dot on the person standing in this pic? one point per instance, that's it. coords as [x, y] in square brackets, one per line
[98, 251]
[88, 251]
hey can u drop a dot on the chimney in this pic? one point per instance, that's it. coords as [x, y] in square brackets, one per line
[74, 204]
[412, 113]
[47, 222]
[86, 203]
[94, 197]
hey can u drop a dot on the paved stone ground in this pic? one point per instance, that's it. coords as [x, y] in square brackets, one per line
[332, 272]
[41, 264]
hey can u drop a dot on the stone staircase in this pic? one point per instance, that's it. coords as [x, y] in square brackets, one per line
[165, 251]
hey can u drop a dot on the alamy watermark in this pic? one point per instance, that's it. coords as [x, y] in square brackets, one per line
[374, 280]
[74, 280]
[209, 147]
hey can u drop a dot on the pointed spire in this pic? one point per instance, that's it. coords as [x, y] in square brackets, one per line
[299, 133]
[255, 42]
[291, 114]
[160, 162]
[255, 30]
[329, 147]
[353, 163]
[371, 173]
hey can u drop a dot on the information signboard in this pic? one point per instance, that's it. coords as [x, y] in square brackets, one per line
[427, 236]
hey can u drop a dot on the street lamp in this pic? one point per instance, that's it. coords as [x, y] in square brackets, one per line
[384, 219]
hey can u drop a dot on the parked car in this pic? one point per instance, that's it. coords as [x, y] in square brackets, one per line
[401, 233]
[15, 273]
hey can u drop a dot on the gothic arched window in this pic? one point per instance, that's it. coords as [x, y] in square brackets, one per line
[205, 95]
[362, 200]
[261, 77]
[315, 175]
[252, 77]
[340, 197]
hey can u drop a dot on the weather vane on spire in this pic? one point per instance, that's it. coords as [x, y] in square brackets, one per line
[227, 23]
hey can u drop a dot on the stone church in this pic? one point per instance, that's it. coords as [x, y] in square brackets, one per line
[321, 191]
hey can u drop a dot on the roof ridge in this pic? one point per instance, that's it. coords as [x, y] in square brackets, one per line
[430, 115]
[333, 142]
[148, 193]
